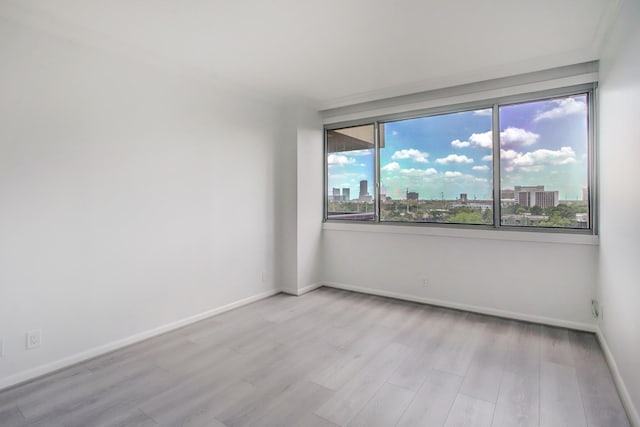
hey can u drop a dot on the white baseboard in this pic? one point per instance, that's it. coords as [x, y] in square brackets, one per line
[632, 411]
[466, 307]
[30, 374]
[309, 288]
[303, 290]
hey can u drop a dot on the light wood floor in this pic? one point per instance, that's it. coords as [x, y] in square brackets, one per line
[334, 358]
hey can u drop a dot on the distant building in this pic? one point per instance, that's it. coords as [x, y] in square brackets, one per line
[412, 195]
[585, 194]
[582, 219]
[364, 191]
[507, 193]
[463, 197]
[336, 194]
[536, 196]
[346, 194]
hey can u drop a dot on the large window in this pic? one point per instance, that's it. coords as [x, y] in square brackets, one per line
[452, 168]
[435, 169]
[544, 158]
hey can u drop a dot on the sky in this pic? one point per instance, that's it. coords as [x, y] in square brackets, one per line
[542, 143]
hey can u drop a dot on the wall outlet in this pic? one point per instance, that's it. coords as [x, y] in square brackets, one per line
[34, 339]
[424, 281]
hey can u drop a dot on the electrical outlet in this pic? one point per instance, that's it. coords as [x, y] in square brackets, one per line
[34, 339]
[425, 281]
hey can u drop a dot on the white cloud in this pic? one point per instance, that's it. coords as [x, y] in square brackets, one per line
[509, 154]
[419, 172]
[391, 167]
[484, 139]
[454, 158]
[481, 179]
[564, 107]
[535, 161]
[452, 174]
[517, 136]
[485, 112]
[535, 168]
[482, 168]
[413, 154]
[563, 156]
[339, 160]
[488, 158]
[509, 136]
[460, 144]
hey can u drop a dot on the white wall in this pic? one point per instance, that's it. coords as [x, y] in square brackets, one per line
[299, 187]
[548, 282]
[131, 198]
[310, 203]
[286, 190]
[619, 284]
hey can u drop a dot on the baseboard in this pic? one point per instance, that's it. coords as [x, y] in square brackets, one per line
[632, 411]
[309, 288]
[466, 307]
[31, 374]
[303, 290]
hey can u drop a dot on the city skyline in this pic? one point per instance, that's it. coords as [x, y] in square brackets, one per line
[542, 143]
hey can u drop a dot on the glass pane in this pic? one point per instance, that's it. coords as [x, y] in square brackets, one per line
[544, 163]
[437, 169]
[350, 173]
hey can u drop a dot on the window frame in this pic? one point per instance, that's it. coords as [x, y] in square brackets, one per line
[590, 89]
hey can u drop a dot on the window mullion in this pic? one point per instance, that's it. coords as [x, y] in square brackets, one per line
[376, 172]
[496, 165]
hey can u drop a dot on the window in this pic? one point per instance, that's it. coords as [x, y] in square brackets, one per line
[450, 167]
[544, 154]
[437, 169]
[350, 173]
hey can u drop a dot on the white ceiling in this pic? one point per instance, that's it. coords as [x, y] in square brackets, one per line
[335, 52]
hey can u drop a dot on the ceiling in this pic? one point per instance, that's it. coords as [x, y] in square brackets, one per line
[337, 52]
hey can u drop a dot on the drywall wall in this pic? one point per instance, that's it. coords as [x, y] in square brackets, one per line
[619, 286]
[547, 282]
[299, 187]
[286, 191]
[131, 197]
[309, 191]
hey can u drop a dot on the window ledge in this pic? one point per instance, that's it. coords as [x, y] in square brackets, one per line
[466, 233]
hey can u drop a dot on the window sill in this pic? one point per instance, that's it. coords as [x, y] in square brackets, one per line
[466, 233]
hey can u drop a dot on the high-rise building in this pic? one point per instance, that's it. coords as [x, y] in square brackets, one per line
[536, 196]
[364, 188]
[585, 194]
[463, 197]
[336, 194]
[364, 191]
[346, 194]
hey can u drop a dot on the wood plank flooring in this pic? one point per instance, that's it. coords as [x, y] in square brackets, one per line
[333, 358]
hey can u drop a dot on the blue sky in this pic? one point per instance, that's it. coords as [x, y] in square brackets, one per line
[542, 143]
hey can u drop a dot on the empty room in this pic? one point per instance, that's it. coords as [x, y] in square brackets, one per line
[319, 213]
